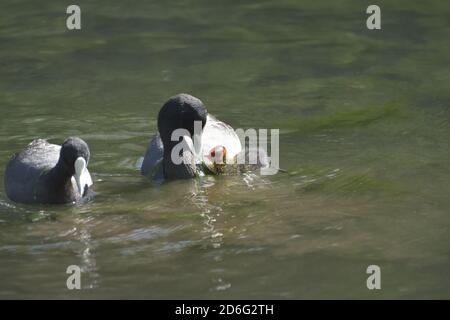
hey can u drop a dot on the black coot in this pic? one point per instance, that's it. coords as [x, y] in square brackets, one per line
[48, 173]
[180, 112]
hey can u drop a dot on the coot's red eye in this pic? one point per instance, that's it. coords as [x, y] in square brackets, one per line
[213, 153]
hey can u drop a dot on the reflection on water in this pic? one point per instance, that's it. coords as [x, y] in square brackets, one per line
[87, 257]
[364, 127]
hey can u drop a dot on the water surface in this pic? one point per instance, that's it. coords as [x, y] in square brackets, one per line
[364, 133]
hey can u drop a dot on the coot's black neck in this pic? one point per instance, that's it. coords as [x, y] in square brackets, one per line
[59, 184]
[185, 170]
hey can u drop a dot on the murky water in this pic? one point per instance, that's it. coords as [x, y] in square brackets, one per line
[364, 132]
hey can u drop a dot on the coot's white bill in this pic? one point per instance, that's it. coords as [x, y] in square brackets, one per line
[82, 177]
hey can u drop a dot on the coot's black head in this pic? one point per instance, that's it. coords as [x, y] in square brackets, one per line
[180, 112]
[72, 149]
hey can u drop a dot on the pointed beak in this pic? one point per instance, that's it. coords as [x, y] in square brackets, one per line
[82, 176]
[198, 148]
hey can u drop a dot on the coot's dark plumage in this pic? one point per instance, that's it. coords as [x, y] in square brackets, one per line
[48, 173]
[180, 112]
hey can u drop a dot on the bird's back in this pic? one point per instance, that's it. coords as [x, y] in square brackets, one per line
[152, 163]
[25, 169]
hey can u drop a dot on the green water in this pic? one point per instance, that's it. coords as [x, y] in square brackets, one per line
[364, 133]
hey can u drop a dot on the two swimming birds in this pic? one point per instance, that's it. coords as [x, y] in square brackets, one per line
[189, 143]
